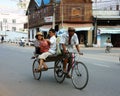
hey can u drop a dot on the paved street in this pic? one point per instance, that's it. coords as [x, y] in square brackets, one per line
[16, 77]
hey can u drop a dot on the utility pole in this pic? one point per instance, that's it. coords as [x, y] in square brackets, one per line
[1, 25]
[54, 8]
[95, 30]
[28, 25]
[62, 12]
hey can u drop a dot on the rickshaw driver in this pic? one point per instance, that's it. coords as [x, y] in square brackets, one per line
[68, 41]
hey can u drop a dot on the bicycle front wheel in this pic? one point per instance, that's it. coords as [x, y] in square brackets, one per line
[79, 75]
[37, 75]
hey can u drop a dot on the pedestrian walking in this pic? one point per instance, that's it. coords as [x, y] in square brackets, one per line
[2, 39]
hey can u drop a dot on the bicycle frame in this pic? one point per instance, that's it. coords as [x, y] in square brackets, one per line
[73, 60]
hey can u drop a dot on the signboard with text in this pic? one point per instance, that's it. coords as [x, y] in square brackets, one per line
[48, 19]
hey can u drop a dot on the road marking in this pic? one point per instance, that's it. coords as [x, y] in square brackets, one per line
[101, 65]
[101, 57]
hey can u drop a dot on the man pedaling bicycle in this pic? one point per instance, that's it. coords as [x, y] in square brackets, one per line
[67, 41]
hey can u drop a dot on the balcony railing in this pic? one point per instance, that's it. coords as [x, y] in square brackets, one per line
[105, 13]
[71, 13]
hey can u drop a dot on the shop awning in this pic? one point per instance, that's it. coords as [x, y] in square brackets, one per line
[107, 17]
[83, 29]
[109, 30]
[79, 27]
[45, 28]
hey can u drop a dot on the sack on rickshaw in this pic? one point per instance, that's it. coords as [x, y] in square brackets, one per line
[58, 49]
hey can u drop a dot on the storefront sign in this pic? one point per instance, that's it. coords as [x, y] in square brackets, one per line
[48, 19]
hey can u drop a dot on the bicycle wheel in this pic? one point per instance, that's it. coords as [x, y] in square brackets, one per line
[37, 75]
[58, 71]
[79, 75]
[107, 50]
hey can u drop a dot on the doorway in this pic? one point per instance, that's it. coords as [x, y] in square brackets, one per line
[115, 39]
[82, 36]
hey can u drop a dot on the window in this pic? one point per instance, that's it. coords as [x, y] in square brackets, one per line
[13, 28]
[13, 20]
[32, 34]
[57, 0]
[4, 20]
[37, 29]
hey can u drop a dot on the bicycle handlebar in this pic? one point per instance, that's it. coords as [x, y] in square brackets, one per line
[75, 53]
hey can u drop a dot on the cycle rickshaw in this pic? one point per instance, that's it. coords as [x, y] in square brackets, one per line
[79, 71]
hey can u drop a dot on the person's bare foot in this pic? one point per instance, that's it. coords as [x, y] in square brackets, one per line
[68, 76]
[64, 71]
[45, 66]
[39, 68]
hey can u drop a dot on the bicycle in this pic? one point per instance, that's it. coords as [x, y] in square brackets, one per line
[108, 49]
[79, 71]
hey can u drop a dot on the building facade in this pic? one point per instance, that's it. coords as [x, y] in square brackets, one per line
[12, 22]
[106, 15]
[61, 14]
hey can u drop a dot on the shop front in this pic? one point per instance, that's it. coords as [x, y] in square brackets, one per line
[112, 33]
[84, 33]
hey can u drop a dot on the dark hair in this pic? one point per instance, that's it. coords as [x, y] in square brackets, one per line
[36, 36]
[71, 29]
[51, 29]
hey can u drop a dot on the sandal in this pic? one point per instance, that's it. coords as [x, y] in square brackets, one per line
[37, 70]
[64, 71]
[68, 76]
[44, 69]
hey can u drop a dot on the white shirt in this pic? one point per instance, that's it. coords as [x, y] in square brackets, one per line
[74, 41]
[52, 45]
[23, 40]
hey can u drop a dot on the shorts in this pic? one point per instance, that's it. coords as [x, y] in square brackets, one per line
[44, 55]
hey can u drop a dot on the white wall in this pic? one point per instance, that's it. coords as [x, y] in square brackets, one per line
[13, 36]
[105, 4]
[20, 20]
[104, 38]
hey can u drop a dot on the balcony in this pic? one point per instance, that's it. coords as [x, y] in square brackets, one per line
[106, 13]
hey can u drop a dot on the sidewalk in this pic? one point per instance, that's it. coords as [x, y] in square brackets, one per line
[14, 44]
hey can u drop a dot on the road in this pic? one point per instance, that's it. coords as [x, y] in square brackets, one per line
[16, 77]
